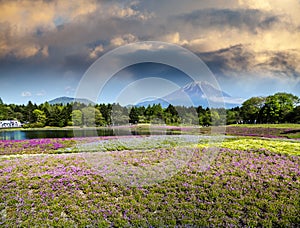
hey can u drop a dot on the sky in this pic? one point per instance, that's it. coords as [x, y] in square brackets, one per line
[251, 47]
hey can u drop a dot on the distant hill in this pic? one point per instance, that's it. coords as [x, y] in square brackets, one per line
[163, 103]
[66, 100]
[194, 94]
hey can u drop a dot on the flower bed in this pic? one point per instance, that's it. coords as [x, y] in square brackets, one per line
[33, 146]
[241, 187]
[46, 146]
[264, 132]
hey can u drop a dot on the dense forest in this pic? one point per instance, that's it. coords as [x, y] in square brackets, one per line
[277, 108]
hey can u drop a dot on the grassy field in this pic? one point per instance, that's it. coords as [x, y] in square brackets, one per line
[150, 181]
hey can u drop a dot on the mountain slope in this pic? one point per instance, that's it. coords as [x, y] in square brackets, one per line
[66, 100]
[196, 94]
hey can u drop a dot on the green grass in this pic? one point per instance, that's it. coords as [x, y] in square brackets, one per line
[294, 136]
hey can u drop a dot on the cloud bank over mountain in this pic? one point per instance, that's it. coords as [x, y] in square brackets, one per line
[253, 47]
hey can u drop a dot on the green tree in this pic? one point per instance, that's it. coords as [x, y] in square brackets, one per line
[215, 118]
[295, 115]
[233, 117]
[29, 112]
[46, 108]
[157, 111]
[99, 120]
[40, 117]
[92, 116]
[271, 110]
[148, 113]
[66, 114]
[119, 114]
[287, 102]
[171, 115]
[6, 112]
[106, 113]
[133, 116]
[278, 107]
[76, 117]
[205, 118]
[188, 115]
[56, 117]
[141, 114]
[88, 114]
[18, 112]
[251, 108]
[18, 116]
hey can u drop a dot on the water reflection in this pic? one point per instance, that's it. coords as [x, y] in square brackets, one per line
[12, 135]
[35, 134]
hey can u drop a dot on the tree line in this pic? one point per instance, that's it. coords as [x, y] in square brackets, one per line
[277, 108]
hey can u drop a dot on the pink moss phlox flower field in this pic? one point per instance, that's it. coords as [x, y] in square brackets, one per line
[45, 146]
[32, 146]
[240, 188]
[262, 132]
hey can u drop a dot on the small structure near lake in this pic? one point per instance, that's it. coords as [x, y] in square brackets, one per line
[10, 123]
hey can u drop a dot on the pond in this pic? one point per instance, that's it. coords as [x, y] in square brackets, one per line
[70, 133]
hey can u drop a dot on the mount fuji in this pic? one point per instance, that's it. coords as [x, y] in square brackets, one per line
[195, 94]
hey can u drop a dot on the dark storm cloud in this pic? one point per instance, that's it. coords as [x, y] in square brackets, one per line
[240, 60]
[235, 58]
[248, 19]
[283, 63]
[281, 59]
